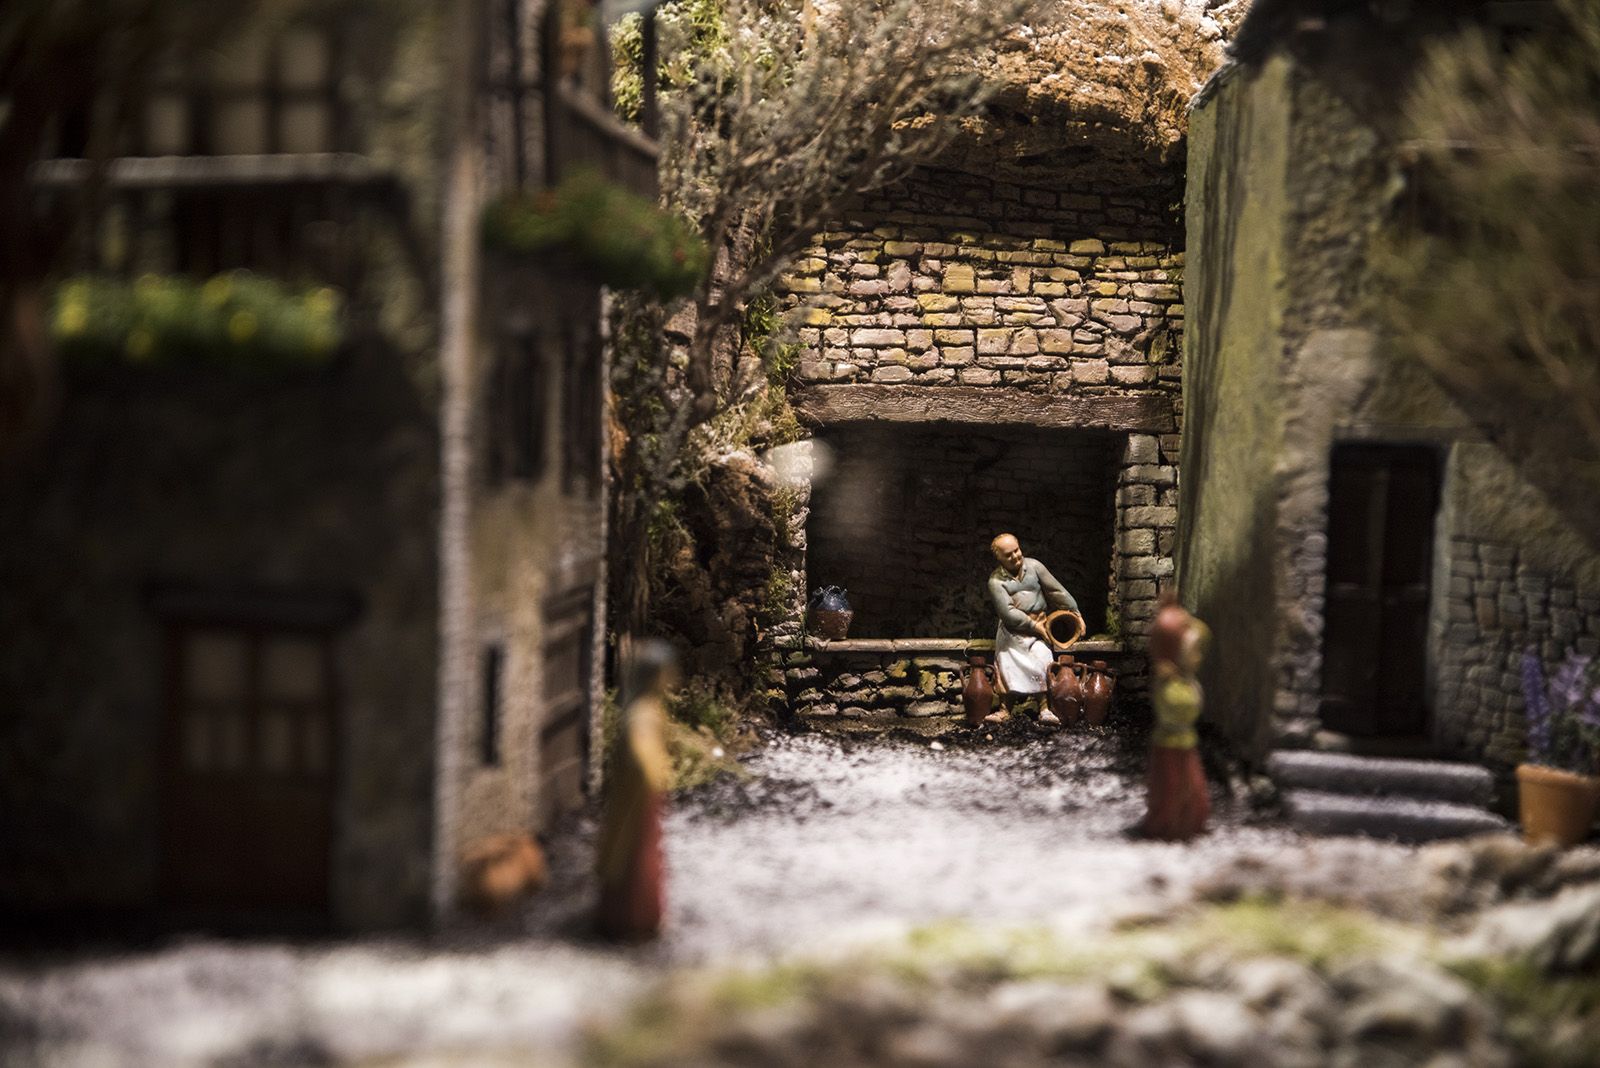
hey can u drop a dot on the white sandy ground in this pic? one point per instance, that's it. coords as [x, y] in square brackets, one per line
[834, 843]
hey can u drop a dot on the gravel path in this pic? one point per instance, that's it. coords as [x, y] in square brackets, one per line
[831, 841]
[840, 837]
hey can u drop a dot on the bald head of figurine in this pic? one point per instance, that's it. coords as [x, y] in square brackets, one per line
[1008, 551]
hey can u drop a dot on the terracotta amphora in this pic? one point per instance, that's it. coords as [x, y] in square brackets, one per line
[1097, 691]
[1066, 689]
[977, 692]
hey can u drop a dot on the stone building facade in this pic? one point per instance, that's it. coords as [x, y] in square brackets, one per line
[1325, 475]
[980, 354]
[249, 677]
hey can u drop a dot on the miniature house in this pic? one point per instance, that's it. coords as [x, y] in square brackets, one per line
[1372, 565]
[225, 665]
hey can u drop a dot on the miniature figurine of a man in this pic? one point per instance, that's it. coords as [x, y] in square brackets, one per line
[1023, 592]
[629, 862]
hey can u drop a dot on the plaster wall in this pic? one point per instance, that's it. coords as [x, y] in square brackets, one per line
[534, 543]
[1237, 279]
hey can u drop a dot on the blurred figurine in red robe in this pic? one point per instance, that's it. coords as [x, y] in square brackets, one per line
[629, 862]
[1178, 805]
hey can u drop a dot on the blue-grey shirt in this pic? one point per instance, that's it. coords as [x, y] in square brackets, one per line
[1034, 590]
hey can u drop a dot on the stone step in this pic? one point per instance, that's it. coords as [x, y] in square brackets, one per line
[1343, 773]
[1399, 818]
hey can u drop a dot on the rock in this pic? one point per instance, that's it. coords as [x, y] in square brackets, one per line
[1062, 1017]
[1215, 1025]
[1404, 1000]
[1147, 1035]
[1270, 984]
[1560, 936]
[926, 1045]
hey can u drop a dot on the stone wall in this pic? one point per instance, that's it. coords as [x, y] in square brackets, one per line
[1027, 313]
[895, 681]
[1498, 606]
[954, 278]
[905, 518]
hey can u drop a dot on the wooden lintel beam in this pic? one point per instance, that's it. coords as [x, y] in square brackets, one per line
[1146, 413]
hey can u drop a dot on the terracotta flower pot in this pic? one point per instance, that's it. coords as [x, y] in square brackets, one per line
[1557, 806]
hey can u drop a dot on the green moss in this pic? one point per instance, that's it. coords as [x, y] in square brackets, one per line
[1552, 1020]
[624, 239]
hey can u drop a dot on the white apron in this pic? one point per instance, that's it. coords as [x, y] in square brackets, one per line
[1023, 660]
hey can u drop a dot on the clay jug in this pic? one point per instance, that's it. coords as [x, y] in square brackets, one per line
[830, 613]
[977, 692]
[1097, 690]
[1066, 690]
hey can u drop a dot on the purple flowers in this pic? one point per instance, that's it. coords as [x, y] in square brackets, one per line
[1563, 713]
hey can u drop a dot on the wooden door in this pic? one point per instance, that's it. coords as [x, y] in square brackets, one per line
[564, 732]
[247, 822]
[1382, 506]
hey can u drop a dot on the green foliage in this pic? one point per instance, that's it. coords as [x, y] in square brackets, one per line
[625, 240]
[695, 29]
[766, 332]
[702, 735]
[1490, 279]
[234, 320]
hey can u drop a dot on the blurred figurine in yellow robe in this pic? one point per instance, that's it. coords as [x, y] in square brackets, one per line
[1178, 804]
[630, 864]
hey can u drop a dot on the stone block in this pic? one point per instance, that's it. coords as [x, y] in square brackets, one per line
[937, 302]
[1145, 567]
[1090, 372]
[994, 342]
[1150, 517]
[891, 375]
[957, 355]
[979, 376]
[1055, 342]
[1142, 449]
[1088, 247]
[877, 338]
[960, 279]
[900, 248]
[1162, 293]
[1133, 376]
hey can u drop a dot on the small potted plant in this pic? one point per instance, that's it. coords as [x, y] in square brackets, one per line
[1558, 788]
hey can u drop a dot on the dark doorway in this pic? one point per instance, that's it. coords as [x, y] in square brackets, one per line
[248, 785]
[904, 521]
[1382, 504]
